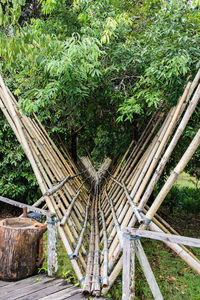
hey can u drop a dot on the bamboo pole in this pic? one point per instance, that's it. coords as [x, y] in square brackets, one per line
[173, 177]
[76, 251]
[66, 216]
[89, 269]
[105, 251]
[22, 136]
[96, 267]
[168, 132]
[165, 158]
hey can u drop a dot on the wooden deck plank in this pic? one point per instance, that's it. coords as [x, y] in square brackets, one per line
[14, 293]
[3, 283]
[46, 291]
[64, 294]
[24, 281]
[40, 287]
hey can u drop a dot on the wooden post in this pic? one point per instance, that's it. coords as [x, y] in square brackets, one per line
[52, 243]
[128, 279]
[25, 212]
[147, 271]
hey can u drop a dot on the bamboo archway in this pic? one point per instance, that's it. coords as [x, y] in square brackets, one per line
[93, 208]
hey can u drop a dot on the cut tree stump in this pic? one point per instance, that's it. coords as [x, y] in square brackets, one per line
[19, 247]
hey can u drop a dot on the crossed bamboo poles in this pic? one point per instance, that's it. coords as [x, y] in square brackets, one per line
[111, 204]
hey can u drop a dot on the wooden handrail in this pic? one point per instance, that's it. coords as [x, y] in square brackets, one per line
[29, 207]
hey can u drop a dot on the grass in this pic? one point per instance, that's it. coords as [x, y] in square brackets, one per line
[185, 180]
[175, 279]
[65, 269]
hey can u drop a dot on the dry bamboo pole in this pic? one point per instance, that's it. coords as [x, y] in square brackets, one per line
[120, 196]
[51, 191]
[129, 216]
[175, 119]
[46, 158]
[89, 269]
[59, 154]
[136, 152]
[192, 262]
[164, 229]
[70, 207]
[29, 126]
[62, 207]
[191, 107]
[76, 251]
[62, 211]
[8, 104]
[114, 275]
[147, 271]
[136, 171]
[50, 174]
[116, 222]
[125, 174]
[55, 188]
[195, 265]
[123, 159]
[54, 162]
[105, 282]
[173, 177]
[142, 143]
[125, 206]
[136, 183]
[114, 249]
[42, 185]
[9, 119]
[96, 288]
[134, 208]
[144, 136]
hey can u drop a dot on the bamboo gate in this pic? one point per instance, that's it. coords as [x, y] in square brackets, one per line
[93, 208]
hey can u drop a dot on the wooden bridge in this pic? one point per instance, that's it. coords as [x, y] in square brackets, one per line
[93, 208]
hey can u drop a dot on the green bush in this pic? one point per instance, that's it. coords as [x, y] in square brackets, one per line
[185, 198]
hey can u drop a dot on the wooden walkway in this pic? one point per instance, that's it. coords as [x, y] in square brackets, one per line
[40, 287]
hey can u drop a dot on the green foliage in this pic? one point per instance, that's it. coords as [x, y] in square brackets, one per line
[186, 199]
[165, 52]
[83, 65]
[17, 180]
[10, 12]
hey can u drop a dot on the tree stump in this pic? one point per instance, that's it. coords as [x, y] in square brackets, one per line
[19, 247]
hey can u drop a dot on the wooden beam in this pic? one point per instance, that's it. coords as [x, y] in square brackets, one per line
[165, 237]
[128, 274]
[52, 245]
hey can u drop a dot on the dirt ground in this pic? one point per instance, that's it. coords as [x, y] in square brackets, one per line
[9, 211]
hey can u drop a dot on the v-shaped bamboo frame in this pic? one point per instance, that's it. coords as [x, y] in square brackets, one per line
[96, 211]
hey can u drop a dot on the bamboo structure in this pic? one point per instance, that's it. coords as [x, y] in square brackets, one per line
[92, 208]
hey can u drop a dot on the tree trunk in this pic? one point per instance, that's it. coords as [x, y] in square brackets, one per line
[19, 240]
[74, 147]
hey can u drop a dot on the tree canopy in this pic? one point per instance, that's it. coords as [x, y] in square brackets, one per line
[97, 69]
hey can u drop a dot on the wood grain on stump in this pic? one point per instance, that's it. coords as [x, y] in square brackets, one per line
[19, 247]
